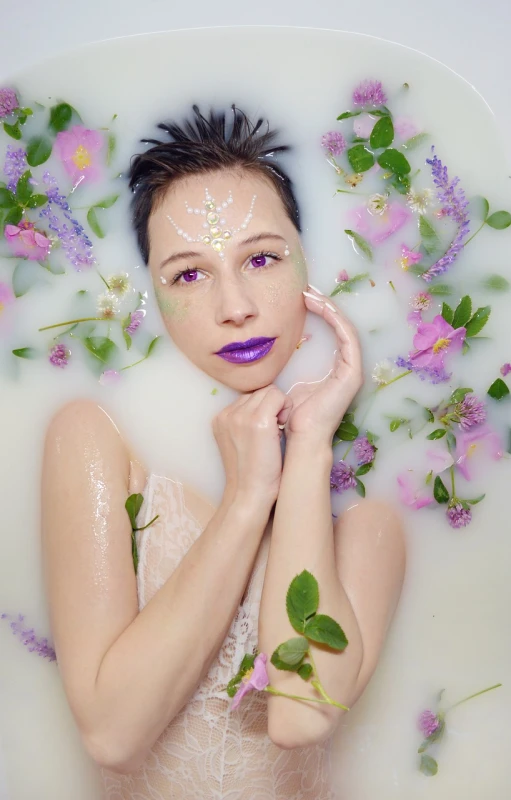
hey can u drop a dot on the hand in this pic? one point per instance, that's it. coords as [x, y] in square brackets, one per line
[319, 407]
[248, 437]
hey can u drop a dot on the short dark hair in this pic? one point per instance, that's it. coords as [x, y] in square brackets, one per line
[202, 145]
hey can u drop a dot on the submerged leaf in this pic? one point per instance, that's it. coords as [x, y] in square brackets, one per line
[362, 244]
[499, 220]
[428, 765]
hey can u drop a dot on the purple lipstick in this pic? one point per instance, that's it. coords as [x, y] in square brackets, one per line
[245, 352]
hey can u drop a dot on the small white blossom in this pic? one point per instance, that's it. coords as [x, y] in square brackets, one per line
[377, 203]
[383, 372]
[419, 201]
[107, 306]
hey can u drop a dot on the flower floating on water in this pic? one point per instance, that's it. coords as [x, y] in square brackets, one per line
[419, 201]
[136, 318]
[433, 341]
[342, 276]
[383, 372]
[334, 142]
[472, 442]
[433, 374]
[119, 284]
[364, 450]
[73, 238]
[471, 411]
[8, 102]
[421, 301]
[25, 241]
[505, 369]
[59, 355]
[428, 723]
[414, 492]
[377, 203]
[369, 93]
[408, 257]
[27, 636]
[377, 228]
[405, 128]
[78, 149]
[107, 306]
[15, 165]
[454, 204]
[363, 126]
[109, 376]
[458, 514]
[342, 477]
[256, 678]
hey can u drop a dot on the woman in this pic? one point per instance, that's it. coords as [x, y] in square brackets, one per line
[145, 659]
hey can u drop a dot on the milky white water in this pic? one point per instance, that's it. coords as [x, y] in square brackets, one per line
[451, 628]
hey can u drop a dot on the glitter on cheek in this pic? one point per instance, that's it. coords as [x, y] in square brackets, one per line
[274, 293]
[171, 307]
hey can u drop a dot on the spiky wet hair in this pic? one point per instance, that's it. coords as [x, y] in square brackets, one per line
[202, 145]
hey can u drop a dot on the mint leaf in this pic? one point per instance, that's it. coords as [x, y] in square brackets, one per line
[302, 599]
[361, 159]
[60, 117]
[394, 161]
[382, 134]
[346, 431]
[463, 312]
[23, 189]
[324, 629]
[38, 150]
[498, 390]
[7, 199]
[361, 243]
[293, 651]
[440, 493]
[499, 220]
[478, 321]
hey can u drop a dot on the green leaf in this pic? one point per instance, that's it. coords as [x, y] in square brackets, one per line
[345, 286]
[24, 189]
[362, 244]
[25, 352]
[302, 599]
[478, 321]
[13, 130]
[26, 273]
[134, 551]
[108, 202]
[440, 493]
[347, 431]
[364, 469]
[92, 219]
[424, 746]
[36, 201]
[382, 134]
[246, 664]
[479, 208]
[324, 629]
[360, 488]
[13, 216]
[293, 651]
[152, 345]
[305, 671]
[7, 199]
[110, 149]
[394, 161]
[133, 505]
[428, 765]
[415, 141]
[361, 159]
[101, 347]
[496, 283]
[395, 424]
[348, 114]
[499, 220]
[60, 117]
[447, 313]
[440, 289]
[279, 664]
[459, 395]
[429, 414]
[372, 438]
[429, 237]
[38, 150]
[401, 183]
[438, 434]
[451, 441]
[476, 500]
[127, 339]
[498, 390]
[463, 312]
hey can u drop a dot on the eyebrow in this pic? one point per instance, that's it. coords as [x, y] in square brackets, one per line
[258, 237]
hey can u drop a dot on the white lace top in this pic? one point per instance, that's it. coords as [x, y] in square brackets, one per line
[209, 752]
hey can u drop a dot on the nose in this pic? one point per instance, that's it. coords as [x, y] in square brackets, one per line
[235, 303]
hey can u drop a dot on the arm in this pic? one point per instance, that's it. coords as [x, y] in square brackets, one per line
[127, 674]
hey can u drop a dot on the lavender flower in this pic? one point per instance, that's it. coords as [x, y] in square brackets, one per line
[34, 643]
[471, 411]
[428, 723]
[334, 142]
[455, 206]
[59, 355]
[431, 374]
[342, 477]
[457, 516]
[364, 451]
[8, 102]
[14, 166]
[369, 93]
[75, 242]
[136, 318]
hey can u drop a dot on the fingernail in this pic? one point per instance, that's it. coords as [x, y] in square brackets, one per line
[312, 297]
[313, 287]
[330, 306]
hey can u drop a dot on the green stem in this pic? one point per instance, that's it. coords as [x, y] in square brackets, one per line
[452, 482]
[475, 234]
[72, 322]
[470, 697]
[329, 702]
[397, 378]
[103, 279]
[146, 526]
[134, 364]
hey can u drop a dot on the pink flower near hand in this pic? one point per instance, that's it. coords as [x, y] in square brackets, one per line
[378, 227]
[433, 341]
[363, 126]
[408, 257]
[414, 493]
[256, 678]
[476, 440]
[78, 149]
[25, 241]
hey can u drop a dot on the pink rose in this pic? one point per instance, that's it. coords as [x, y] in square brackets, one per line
[78, 149]
[27, 242]
[378, 227]
[433, 341]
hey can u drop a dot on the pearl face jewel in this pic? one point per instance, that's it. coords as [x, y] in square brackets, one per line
[215, 236]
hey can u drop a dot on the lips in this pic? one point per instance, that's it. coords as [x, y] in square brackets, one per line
[245, 352]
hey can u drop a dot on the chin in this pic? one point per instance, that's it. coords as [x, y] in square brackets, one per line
[250, 377]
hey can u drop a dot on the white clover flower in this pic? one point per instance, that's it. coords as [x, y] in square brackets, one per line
[119, 283]
[107, 306]
[377, 203]
[383, 372]
[419, 201]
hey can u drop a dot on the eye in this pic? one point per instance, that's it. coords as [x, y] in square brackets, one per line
[188, 275]
[262, 260]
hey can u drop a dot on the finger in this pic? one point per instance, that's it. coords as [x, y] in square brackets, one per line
[258, 396]
[347, 337]
[275, 405]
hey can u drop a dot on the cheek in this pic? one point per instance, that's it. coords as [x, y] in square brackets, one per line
[300, 277]
[172, 309]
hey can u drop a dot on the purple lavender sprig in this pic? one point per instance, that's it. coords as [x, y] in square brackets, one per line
[15, 165]
[431, 374]
[75, 242]
[27, 636]
[454, 205]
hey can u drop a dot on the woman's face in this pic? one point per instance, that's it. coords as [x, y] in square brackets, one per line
[243, 281]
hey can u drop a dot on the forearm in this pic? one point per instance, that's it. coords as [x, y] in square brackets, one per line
[150, 672]
[302, 538]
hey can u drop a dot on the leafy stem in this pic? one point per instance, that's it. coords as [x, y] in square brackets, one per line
[474, 234]
[72, 322]
[471, 696]
[329, 702]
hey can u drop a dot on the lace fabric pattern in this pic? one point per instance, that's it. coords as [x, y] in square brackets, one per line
[208, 752]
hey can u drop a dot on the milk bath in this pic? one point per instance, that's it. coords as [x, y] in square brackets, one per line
[449, 632]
